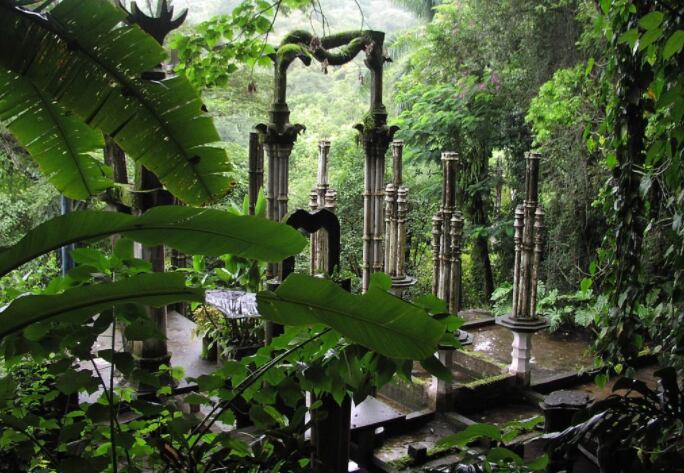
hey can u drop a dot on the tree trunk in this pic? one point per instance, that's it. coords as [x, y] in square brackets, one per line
[482, 251]
[479, 211]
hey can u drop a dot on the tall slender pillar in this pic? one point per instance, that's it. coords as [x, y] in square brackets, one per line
[396, 213]
[529, 242]
[447, 235]
[151, 354]
[278, 150]
[325, 198]
[375, 136]
[256, 170]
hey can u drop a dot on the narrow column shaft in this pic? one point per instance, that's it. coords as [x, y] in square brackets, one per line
[283, 197]
[155, 349]
[256, 170]
[538, 248]
[445, 255]
[271, 184]
[400, 233]
[450, 161]
[314, 251]
[331, 205]
[397, 162]
[389, 229]
[330, 435]
[436, 237]
[517, 241]
[277, 190]
[323, 163]
[271, 198]
[455, 263]
[319, 241]
[379, 211]
[367, 221]
[524, 290]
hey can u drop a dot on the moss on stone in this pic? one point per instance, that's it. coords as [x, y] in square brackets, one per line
[486, 381]
[484, 357]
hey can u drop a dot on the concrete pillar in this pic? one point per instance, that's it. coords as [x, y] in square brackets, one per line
[529, 241]
[442, 390]
[256, 170]
[325, 198]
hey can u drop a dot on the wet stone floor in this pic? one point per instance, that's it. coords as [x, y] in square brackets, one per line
[428, 435]
[553, 353]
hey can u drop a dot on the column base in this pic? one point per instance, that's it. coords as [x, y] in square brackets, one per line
[521, 355]
[401, 284]
[464, 337]
[442, 390]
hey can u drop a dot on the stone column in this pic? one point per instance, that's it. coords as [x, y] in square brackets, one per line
[454, 293]
[319, 241]
[390, 228]
[313, 241]
[441, 389]
[399, 269]
[375, 136]
[436, 236]
[256, 170]
[375, 144]
[151, 354]
[528, 238]
[447, 234]
[396, 212]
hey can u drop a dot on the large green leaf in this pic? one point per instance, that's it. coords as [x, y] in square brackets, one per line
[61, 144]
[376, 320]
[156, 289]
[85, 56]
[191, 230]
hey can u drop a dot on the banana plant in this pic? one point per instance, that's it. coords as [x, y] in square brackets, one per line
[71, 71]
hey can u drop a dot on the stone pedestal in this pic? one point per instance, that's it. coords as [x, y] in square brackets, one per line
[441, 387]
[442, 390]
[401, 284]
[523, 330]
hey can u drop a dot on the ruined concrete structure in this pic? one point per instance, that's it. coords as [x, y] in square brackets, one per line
[529, 242]
[279, 135]
[447, 233]
[396, 213]
[321, 197]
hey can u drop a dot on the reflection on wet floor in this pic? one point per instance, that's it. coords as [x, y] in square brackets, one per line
[501, 414]
[552, 352]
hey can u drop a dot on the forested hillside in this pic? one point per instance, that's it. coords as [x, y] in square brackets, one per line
[158, 313]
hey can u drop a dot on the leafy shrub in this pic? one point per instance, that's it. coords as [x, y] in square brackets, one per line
[581, 309]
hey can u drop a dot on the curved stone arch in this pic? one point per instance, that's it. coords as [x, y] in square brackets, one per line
[279, 135]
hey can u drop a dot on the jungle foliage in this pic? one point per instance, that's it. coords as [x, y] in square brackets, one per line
[594, 86]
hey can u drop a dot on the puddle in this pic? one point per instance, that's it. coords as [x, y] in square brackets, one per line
[476, 315]
[553, 353]
[501, 414]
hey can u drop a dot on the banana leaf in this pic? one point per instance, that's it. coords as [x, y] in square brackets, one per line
[62, 145]
[377, 320]
[85, 56]
[155, 289]
[191, 230]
